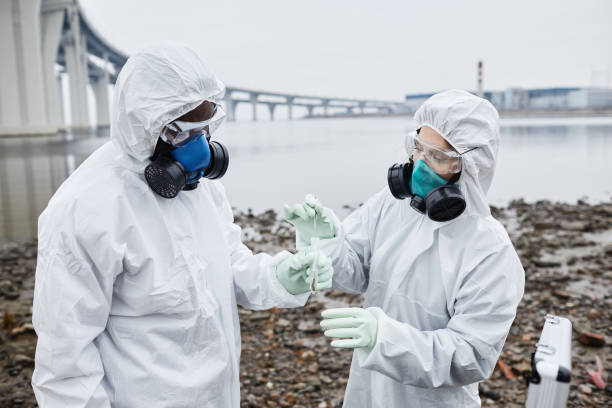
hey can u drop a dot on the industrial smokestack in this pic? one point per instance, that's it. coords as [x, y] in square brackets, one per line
[479, 87]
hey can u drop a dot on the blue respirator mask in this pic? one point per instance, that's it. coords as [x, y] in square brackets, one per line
[184, 154]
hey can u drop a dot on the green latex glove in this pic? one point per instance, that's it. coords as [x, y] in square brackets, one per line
[297, 272]
[302, 216]
[356, 327]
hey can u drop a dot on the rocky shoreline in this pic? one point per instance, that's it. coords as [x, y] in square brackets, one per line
[566, 250]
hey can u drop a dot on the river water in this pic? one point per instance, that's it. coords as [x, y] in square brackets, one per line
[343, 161]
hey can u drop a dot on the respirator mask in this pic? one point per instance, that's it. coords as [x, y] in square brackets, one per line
[184, 154]
[420, 179]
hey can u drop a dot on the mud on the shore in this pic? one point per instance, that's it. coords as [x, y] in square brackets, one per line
[566, 250]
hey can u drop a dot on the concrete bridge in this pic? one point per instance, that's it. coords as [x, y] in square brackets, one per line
[43, 40]
[40, 40]
[316, 106]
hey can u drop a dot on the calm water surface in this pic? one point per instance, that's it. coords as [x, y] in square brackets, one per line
[343, 161]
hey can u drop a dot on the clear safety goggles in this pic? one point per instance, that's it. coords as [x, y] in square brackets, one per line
[441, 161]
[179, 132]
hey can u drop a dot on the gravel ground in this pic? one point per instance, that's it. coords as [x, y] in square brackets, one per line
[566, 250]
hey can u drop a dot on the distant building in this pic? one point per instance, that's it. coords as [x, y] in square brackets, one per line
[548, 98]
[416, 100]
[591, 98]
[538, 99]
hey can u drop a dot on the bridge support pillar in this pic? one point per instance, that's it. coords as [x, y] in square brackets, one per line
[22, 109]
[76, 67]
[362, 107]
[60, 101]
[230, 107]
[325, 103]
[310, 110]
[271, 107]
[52, 21]
[100, 88]
[254, 105]
[234, 107]
[290, 107]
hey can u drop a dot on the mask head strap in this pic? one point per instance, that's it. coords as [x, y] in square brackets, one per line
[162, 148]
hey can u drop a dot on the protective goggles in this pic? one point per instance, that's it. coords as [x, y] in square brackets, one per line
[441, 161]
[179, 132]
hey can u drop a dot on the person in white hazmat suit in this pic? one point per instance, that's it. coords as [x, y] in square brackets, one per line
[441, 278]
[138, 282]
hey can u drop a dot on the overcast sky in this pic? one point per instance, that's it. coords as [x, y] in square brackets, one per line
[375, 49]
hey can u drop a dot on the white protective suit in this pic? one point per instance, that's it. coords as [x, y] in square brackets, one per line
[136, 296]
[444, 294]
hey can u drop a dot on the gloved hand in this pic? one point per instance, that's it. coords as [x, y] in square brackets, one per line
[302, 216]
[296, 272]
[356, 327]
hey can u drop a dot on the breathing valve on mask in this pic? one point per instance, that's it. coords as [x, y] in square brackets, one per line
[441, 201]
[176, 168]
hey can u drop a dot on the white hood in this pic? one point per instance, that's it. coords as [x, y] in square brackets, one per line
[466, 121]
[155, 86]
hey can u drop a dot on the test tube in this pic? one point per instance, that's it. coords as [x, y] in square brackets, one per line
[314, 246]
